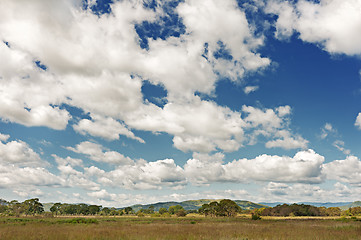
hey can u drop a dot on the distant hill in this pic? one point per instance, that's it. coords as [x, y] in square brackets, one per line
[354, 204]
[47, 206]
[316, 204]
[327, 204]
[195, 204]
[271, 204]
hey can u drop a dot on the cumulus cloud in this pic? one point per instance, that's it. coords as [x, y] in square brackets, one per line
[12, 176]
[4, 137]
[95, 63]
[297, 192]
[68, 161]
[103, 195]
[95, 152]
[286, 141]
[18, 153]
[346, 171]
[189, 122]
[107, 128]
[305, 166]
[329, 24]
[272, 123]
[26, 193]
[145, 175]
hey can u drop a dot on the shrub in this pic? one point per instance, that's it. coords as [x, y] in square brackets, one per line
[181, 213]
[256, 216]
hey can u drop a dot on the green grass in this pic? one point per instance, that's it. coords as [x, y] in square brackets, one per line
[129, 228]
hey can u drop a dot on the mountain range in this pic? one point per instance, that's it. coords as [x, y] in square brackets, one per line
[245, 205]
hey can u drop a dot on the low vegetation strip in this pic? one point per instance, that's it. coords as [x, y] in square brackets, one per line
[197, 228]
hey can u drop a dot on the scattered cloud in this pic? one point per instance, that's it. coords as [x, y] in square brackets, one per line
[340, 146]
[249, 89]
[326, 130]
[107, 128]
[329, 24]
[95, 152]
[358, 121]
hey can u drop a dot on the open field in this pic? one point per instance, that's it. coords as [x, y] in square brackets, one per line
[178, 228]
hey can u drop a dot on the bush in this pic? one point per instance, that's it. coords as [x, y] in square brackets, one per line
[181, 213]
[140, 214]
[256, 216]
[81, 220]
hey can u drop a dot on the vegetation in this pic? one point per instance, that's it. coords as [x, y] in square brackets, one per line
[196, 204]
[224, 220]
[127, 227]
[225, 207]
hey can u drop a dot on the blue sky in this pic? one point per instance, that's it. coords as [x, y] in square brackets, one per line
[125, 102]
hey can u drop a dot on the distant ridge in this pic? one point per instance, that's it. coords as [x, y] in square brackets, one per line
[196, 204]
[354, 204]
[342, 205]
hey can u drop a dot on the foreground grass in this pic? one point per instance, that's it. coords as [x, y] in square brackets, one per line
[178, 228]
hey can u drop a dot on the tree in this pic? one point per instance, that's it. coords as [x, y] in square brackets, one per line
[15, 208]
[33, 206]
[3, 205]
[105, 211]
[162, 210]
[94, 209]
[205, 209]
[174, 209]
[128, 210]
[55, 209]
[228, 208]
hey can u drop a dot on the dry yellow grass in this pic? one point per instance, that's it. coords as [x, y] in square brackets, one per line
[180, 228]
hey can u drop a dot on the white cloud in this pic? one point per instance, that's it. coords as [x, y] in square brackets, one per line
[146, 175]
[18, 153]
[26, 193]
[249, 89]
[212, 21]
[95, 152]
[340, 145]
[95, 63]
[107, 128]
[347, 170]
[68, 161]
[74, 178]
[326, 130]
[305, 166]
[4, 137]
[286, 141]
[103, 195]
[358, 121]
[330, 24]
[12, 176]
[189, 122]
[273, 124]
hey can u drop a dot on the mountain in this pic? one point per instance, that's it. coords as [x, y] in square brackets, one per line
[327, 204]
[195, 204]
[354, 204]
[271, 204]
[316, 204]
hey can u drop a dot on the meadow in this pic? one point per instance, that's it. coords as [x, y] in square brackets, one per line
[193, 227]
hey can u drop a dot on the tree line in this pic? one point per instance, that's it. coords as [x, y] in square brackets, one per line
[290, 210]
[223, 208]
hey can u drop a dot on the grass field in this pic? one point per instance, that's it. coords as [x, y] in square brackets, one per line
[178, 228]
